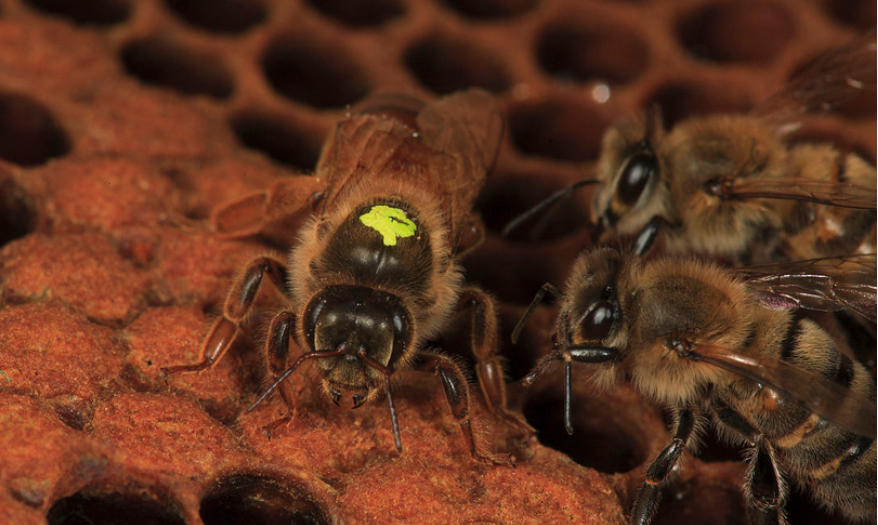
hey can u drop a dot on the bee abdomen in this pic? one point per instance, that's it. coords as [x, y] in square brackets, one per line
[839, 466]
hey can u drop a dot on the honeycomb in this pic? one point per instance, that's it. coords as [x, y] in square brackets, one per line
[118, 118]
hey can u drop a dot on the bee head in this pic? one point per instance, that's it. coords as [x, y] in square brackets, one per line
[629, 170]
[590, 313]
[371, 328]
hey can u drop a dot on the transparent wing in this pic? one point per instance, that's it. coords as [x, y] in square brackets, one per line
[824, 285]
[468, 128]
[829, 400]
[842, 79]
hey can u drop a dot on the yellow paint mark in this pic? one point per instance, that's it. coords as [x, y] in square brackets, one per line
[390, 222]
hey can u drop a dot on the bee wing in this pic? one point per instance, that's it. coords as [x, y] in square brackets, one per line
[829, 400]
[824, 285]
[835, 79]
[374, 144]
[841, 194]
[468, 127]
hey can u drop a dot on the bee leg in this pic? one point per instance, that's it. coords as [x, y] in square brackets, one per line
[489, 370]
[472, 235]
[647, 236]
[457, 394]
[660, 469]
[278, 349]
[765, 487]
[252, 213]
[238, 304]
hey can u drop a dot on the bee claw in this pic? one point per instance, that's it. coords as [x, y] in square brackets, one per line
[335, 395]
[359, 400]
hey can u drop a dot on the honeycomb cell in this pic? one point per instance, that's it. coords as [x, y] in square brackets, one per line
[605, 52]
[90, 508]
[752, 31]
[259, 500]
[163, 63]
[86, 12]
[17, 215]
[446, 65]
[279, 139]
[491, 9]
[359, 13]
[220, 16]
[314, 74]
[605, 436]
[703, 502]
[678, 101]
[857, 13]
[505, 198]
[29, 135]
[562, 130]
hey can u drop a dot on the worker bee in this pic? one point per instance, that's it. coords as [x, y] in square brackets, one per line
[374, 273]
[733, 186]
[721, 345]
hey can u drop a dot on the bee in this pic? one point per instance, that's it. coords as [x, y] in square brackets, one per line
[724, 346]
[732, 186]
[374, 274]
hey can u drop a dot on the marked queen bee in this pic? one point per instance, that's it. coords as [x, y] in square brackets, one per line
[724, 346]
[733, 186]
[374, 273]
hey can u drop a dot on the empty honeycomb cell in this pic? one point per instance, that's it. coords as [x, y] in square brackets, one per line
[752, 31]
[319, 75]
[220, 16]
[164, 63]
[280, 139]
[259, 500]
[678, 101]
[558, 129]
[491, 9]
[506, 197]
[605, 437]
[95, 508]
[704, 502]
[86, 12]
[444, 65]
[601, 52]
[17, 214]
[360, 13]
[857, 13]
[29, 134]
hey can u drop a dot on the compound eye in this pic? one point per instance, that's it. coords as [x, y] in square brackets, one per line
[636, 174]
[598, 322]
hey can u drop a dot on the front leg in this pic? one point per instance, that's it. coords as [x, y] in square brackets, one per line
[457, 394]
[660, 469]
[238, 306]
[278, 349]
[483, 339]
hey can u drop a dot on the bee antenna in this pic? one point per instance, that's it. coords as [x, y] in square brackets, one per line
[568, 398]
[653, 121]
[361, 353]
[552, 201]
[287, 372]
[538, 298]
[396, 439]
